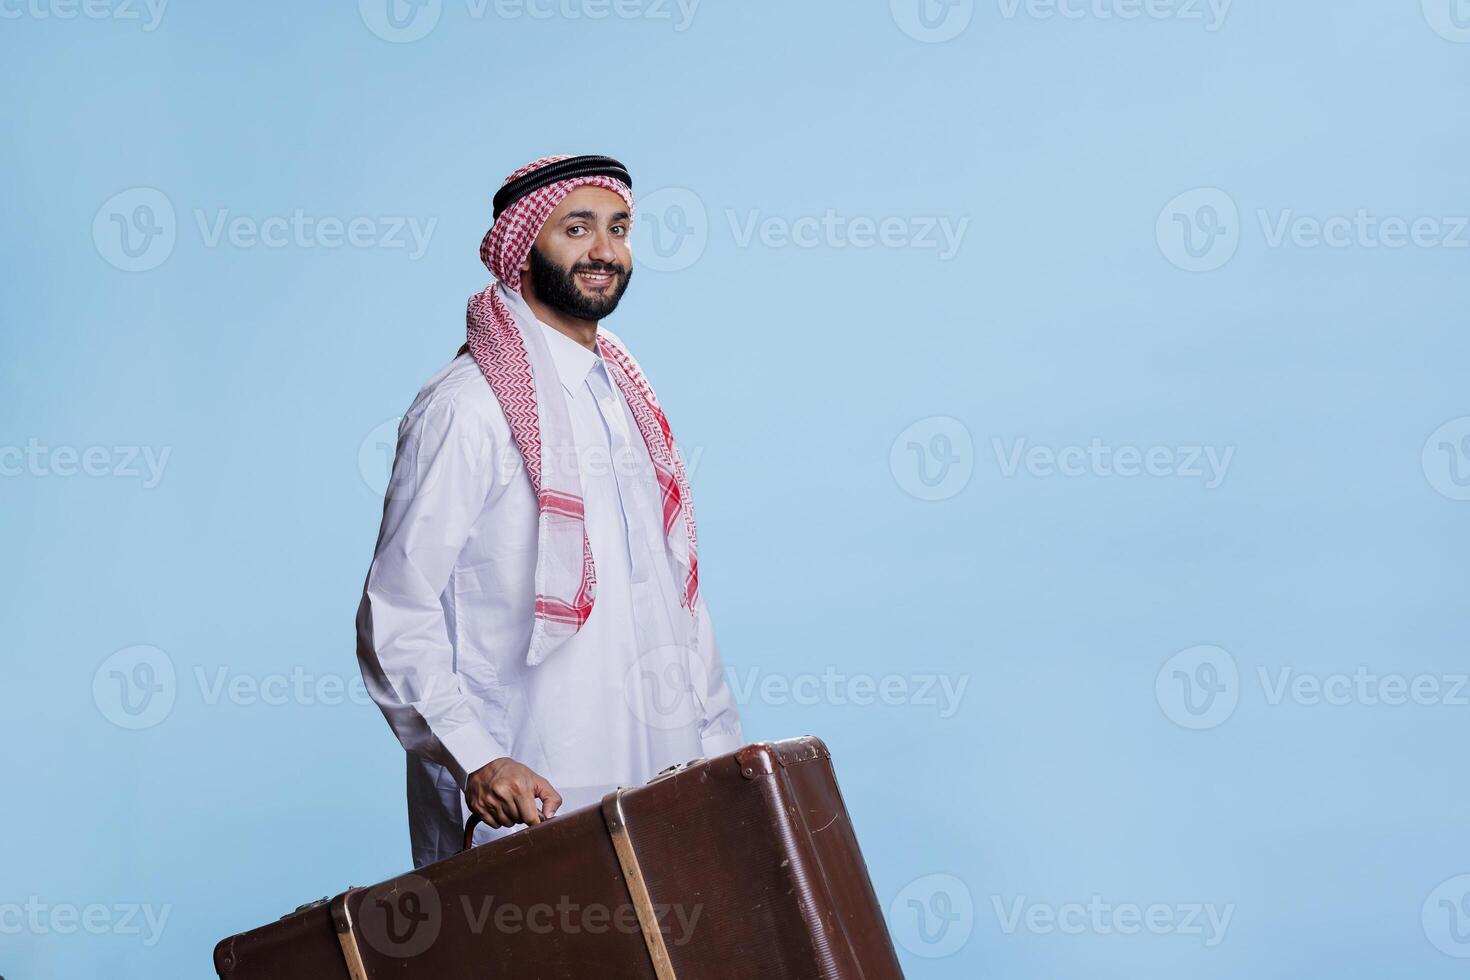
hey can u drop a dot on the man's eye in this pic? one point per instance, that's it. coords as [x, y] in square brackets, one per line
[620, 229]
[574, 229]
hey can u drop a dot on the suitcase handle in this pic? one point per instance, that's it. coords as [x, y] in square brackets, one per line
[676, 768]
[474, 820]
[469, 835]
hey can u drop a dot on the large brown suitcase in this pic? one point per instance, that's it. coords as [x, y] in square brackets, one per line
[739, 867]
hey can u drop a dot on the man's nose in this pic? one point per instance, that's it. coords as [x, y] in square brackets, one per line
[603, 250]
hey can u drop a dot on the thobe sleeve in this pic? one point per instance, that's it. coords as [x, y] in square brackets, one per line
[719, 728]
[442, 476]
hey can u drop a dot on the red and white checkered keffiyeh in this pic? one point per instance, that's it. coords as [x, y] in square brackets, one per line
[512, 354]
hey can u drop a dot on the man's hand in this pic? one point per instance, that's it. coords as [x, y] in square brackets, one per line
[504, 793]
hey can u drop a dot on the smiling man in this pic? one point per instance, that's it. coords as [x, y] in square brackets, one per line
[532, 624]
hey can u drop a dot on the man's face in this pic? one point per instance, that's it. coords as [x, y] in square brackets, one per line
[582, 259]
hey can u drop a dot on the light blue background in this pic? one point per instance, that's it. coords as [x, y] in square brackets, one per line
[1064, 316]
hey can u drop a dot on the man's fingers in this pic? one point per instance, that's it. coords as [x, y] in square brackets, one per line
[526, 806]
[508, 796]
[490, 813]
[517, 804]
[550, 800]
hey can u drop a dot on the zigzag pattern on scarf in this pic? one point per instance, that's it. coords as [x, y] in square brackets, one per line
[497, 348]
[673, 482]
[491, 331]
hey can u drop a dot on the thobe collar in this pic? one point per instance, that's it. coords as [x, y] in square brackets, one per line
[573, 361]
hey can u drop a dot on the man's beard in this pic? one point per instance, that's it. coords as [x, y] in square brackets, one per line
[557, 287]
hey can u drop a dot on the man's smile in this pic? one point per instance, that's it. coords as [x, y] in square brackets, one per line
[597, 280]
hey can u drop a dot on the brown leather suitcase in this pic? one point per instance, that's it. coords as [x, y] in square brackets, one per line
[741, 867]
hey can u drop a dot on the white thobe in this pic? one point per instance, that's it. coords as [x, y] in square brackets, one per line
[446, 613]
